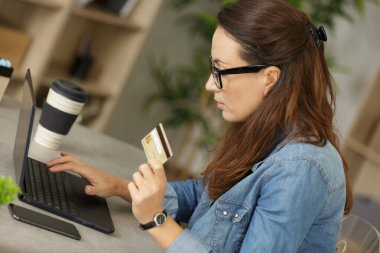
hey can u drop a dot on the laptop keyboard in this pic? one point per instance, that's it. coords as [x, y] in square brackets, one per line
[50, 188]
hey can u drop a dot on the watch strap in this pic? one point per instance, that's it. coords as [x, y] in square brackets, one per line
[152, 223]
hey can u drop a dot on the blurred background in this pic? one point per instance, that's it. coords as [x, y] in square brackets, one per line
[145, 61]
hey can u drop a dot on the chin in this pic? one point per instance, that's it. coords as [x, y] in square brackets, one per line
[230, 117]
[233, 118]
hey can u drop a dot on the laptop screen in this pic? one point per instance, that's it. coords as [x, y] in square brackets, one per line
[24, 128]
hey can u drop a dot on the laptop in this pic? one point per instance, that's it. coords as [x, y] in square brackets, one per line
[60, 193]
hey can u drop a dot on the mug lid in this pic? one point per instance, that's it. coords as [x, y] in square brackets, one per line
[69, 90]
[6, 71]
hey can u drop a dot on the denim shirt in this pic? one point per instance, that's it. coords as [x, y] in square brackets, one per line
[293, 201]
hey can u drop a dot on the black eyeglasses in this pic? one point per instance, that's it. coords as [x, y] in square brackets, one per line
[217, 73]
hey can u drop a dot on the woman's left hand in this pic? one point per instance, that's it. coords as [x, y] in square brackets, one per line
[148, 190]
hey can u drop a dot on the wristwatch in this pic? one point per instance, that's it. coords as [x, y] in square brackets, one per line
[158, 220]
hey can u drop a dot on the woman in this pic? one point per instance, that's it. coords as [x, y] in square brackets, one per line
[277, 182]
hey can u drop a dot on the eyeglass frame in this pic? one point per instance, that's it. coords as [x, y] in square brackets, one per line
[218, 73]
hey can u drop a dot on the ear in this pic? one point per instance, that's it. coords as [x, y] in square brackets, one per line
[272, 74]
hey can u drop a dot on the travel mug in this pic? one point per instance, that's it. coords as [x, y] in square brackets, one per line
[64, 102]
[5, 75]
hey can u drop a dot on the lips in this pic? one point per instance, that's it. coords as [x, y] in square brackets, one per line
[219, 104]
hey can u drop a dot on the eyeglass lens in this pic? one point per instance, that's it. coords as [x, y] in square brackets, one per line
[215, 75]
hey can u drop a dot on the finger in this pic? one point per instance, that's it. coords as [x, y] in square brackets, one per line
[67, 166]
[73, 157]
[157, 168]
[133, 190]
[146, 171]
[74, 167]
[61, 159]
[63, 153]
[90, 190]
[138, 179]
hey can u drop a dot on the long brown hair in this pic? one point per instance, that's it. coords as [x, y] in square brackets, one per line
[273, 32]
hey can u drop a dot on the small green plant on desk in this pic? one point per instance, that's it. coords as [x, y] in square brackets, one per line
[8, 190]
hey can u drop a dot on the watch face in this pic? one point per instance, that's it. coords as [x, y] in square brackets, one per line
[160, 219]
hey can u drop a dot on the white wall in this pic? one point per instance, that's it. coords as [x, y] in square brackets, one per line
[356, 48]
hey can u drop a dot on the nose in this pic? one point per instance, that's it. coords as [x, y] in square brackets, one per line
[210, 85]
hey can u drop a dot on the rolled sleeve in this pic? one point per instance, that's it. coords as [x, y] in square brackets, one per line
[189, 243]
[171, 201]
[186, 194]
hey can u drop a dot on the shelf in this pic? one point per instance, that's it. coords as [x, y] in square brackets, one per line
[18, 75]
[50, 4]
[57, 28]
[94, 13]
[370, 154]
[57, 71]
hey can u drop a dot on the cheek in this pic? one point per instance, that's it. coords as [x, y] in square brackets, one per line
[246, 105]
[242, 103]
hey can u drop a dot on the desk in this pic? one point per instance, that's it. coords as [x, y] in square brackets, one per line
[97, 150]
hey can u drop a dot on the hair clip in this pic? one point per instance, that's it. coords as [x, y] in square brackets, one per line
[318, 34]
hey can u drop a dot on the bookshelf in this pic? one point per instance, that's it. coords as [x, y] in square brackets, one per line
[57, 28]
[51, 4]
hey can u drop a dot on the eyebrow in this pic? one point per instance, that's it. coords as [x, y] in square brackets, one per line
[218, 61]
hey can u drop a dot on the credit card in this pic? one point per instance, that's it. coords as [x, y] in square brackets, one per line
[156, 145]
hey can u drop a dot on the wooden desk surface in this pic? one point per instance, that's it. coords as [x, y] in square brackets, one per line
[98, 150]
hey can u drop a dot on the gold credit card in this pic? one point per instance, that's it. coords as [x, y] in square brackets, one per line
[156, 145]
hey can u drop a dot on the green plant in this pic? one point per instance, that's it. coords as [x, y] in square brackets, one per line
[325, 12]
[181, 87]
[8, 190]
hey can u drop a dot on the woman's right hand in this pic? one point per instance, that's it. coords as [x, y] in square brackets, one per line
[101, 183]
